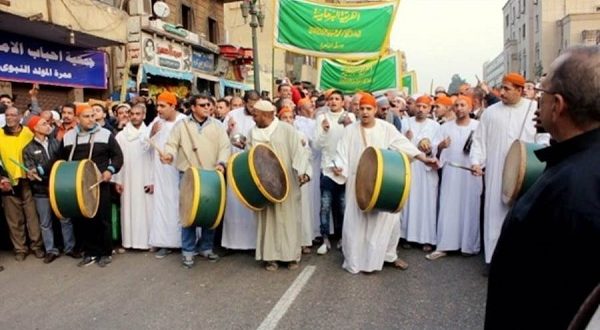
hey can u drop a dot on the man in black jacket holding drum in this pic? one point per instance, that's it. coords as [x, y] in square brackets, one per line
[89, 140]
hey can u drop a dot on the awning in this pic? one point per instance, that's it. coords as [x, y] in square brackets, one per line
[233, 84]
[164, 72]
[206, 76]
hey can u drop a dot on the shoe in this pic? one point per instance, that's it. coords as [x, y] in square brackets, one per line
[39, 254]
[162, 253]
[292, 265]
[50, 257]
[20, 256]
[271, 266]
[74, 254]
[427, 248]
[339, 244]
[104, 261]
[210, 255]
[187, 261]
[322, 249]
[306, 250]
[86, 261]
[435, 255]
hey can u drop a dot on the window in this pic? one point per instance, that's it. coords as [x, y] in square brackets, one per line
[537, 23]
[213, 30]
[506, 20]
[523, 31]
[186, 17]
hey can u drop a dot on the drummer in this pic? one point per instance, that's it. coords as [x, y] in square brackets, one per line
[198, 141]
[369, 239]
[89, 140]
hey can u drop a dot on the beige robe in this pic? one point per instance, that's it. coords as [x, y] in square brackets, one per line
[279, 231]
[180, 145]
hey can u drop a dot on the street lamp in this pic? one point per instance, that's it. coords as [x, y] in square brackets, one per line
[257, 19]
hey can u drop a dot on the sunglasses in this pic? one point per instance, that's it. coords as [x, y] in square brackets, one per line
[204, 105]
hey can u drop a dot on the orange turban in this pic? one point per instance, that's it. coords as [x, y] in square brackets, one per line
[424, 99]
[304, 102]
[328, 92]
[284, 110]
[443, 100]
[81, 107]
[168, 97]
[467, 99]
[368, 99]
[515, 79]
[33, 121]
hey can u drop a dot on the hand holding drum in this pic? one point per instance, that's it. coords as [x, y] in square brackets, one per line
[425, 146]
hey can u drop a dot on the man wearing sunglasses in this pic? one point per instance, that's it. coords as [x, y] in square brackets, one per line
[200, 141]
[546, 260]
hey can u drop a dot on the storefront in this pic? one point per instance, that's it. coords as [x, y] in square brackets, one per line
[58, 69]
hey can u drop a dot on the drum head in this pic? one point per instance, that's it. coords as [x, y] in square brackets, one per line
[88, 199]
[514, 171]
[367, 172]
[270, 173]
[186, 199]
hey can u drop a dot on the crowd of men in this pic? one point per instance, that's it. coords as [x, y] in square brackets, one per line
[458, 144]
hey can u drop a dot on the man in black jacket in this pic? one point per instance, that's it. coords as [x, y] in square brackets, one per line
[89, 140]
[39, 156]
[546, 260]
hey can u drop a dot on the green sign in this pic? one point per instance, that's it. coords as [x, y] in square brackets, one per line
[367, 75]
[409, 82]
[333, 31]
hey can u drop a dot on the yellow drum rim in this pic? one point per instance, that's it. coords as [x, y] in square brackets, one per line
[407, 182]
[223, 199]
[378, 181]
[256, 180]
[234, 185]
[52, 193]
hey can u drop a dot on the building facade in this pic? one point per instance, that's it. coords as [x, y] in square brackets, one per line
[536, 32]
[494, 70]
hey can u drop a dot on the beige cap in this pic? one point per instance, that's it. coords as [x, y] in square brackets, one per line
[263, 105]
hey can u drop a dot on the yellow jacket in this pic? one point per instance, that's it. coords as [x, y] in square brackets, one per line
[11, 147]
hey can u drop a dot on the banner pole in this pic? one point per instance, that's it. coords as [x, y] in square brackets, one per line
[373, 75]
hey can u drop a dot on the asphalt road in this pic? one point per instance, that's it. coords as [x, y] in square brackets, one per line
[138, 291]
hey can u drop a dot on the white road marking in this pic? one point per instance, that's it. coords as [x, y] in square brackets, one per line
[284, 303]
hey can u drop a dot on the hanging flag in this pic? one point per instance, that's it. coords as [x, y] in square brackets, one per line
[349, 31]
[409, 82]
[366, 75]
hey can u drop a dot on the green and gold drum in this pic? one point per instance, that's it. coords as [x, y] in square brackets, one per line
[257, 177]
[382, 180]
[73, 190]
[202, 198]
[521, 169]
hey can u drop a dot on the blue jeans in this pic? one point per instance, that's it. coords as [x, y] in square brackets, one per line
[333, 202]
[191, 245]
[42, 205]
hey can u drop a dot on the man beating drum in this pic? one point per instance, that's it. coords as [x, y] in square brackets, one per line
[370, 238]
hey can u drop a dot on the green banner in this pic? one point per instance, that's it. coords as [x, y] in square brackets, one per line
[409, 82]
[333, 31]
[367, 76]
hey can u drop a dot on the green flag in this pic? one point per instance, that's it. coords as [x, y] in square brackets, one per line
[347, 31]
[409, 82]
[367, 75]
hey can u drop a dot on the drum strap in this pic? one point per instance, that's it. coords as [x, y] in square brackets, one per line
[525, 119]
[90, 141]
[363, 136]
[194, 149]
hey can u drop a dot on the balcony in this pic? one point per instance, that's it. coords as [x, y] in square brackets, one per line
[82, 23]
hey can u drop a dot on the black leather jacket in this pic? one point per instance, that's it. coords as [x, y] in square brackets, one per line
[35, 157]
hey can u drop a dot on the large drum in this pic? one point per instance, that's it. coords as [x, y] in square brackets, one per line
[202, 198]
[382, 180]
[73, 190]
[258, 177]
[521, 169]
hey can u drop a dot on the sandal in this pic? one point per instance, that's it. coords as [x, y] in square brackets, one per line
[435, 255]
[427, 248]
[400, 264]
[306, 250]
[271, 266]
[292, 265]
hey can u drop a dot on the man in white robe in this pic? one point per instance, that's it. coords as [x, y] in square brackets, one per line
[460, 192]
[133, 181]
[369, 238]
[239, 222]
[165, 227]
[419, 215]
[279, 233]
[500, 125]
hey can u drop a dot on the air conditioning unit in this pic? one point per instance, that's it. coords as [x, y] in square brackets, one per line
[140, 7]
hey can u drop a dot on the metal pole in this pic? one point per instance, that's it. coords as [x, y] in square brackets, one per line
[254, 25]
